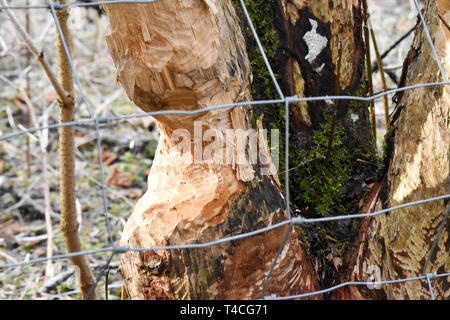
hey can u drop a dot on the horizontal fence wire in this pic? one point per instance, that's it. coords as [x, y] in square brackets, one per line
[285, 100]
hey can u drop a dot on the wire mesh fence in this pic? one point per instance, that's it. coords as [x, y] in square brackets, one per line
[96, 120]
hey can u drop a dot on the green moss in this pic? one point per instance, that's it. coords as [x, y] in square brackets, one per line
[203, 277]
[100, 221]
[262, 15]
[317, 186]
[300, 230]
[355, 225]
[355, 106]
[319, 182]
[127, 157]
[6, 166]
[116, 209]
[63, 288]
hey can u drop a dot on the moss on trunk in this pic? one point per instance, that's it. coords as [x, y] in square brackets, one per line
[318, 187]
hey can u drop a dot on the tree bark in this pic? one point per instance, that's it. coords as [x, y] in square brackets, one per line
[396, 245]
[187, 55]
[69, 224]
[333, 158]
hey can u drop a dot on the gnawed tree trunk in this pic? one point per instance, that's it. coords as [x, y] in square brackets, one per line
[316, 38]
[177, 54]
[396, 245]
[185, 55]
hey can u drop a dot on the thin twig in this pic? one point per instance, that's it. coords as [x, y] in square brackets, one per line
[369, 70]
[27, 90]
[336, 103]
[106, 282]
[393, 46]
[383, 78]
[49, 270]
[8, 257]
[68, 223]
[39, 55]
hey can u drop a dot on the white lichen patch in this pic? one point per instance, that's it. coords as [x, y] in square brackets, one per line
[354, 117]
[316, 43]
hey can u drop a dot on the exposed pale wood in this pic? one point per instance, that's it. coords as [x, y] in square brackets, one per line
[179, 54]
[397, 244]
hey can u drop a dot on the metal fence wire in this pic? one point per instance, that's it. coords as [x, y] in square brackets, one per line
[53, 7]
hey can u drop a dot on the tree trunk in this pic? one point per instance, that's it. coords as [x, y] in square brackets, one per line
[396, 245]
[186, 55]
[332, 153]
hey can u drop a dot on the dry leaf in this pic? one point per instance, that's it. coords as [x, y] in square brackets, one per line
[12, 227]
[86, 208]
[119, 179]
[108, 157]
[134, 193]
[8, 230]
[34, 243]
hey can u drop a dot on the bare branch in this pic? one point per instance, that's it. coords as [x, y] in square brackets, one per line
[39, 55]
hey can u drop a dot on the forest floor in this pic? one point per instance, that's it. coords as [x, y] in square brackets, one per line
[128, 147]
